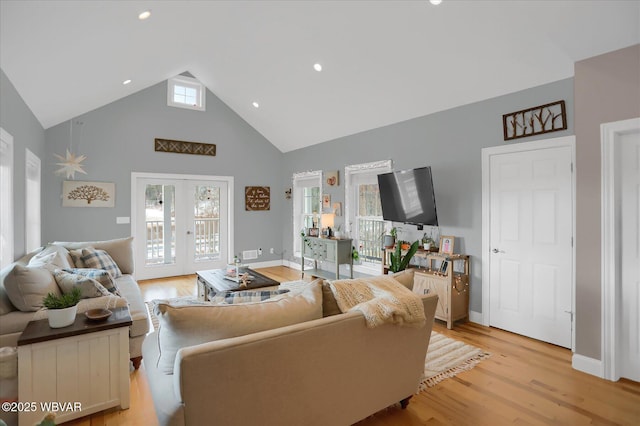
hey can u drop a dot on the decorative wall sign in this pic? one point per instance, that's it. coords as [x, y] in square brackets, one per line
[182, 147]
[535, 121]
[257, 198]
[88, 194]
[332, 178]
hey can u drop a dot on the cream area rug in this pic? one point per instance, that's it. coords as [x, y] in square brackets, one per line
[447, 357]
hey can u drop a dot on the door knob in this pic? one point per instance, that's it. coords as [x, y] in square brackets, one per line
[188, 232]
[495, 250]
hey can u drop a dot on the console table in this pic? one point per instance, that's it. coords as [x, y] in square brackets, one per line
[333, 250]
[84, 366]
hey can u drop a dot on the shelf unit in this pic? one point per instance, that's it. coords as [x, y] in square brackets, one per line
[451, 286]
[337, 251]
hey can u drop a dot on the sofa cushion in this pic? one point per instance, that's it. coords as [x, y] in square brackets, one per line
[88, 286]
[128, 288]
[16, 321]
[100, 275]
[100, 259]
[405, 277]
[26, 287]
[5, 303]
[191, 325]
[54, 255]
[120, 249]
[235, 297]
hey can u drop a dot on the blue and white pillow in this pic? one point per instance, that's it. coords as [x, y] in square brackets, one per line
[246, 296]
[100, 275]
[89, 287]
[100, 259]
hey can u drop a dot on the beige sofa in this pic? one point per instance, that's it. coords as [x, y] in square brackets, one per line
[13, 320]
[328, 371]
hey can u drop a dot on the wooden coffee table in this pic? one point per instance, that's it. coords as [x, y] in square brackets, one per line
[85, 366]
[213, 280]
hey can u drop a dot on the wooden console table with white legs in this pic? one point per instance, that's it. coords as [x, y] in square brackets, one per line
[84, 368]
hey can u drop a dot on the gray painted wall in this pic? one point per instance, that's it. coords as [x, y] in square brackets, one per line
[18, 120]
[119, 139]
[607, 89]
[450, 142]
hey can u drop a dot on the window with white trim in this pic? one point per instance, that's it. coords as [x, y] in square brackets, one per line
[32, 201]
[307, 204]
[186, 92]
[364, 213]
[6, 198]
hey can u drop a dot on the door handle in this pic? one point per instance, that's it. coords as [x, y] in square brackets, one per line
[188, 232]
[495, 250]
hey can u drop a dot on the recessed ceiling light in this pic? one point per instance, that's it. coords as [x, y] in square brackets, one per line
[256, 105]
[144, 15]
[126, 82]
[435, 2]
[317, 67]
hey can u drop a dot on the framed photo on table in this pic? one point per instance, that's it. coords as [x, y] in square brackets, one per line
[446, 244]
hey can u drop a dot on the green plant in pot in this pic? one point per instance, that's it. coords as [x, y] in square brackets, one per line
[62, 308]
[388, 240]
[428, 243]
[399, 261]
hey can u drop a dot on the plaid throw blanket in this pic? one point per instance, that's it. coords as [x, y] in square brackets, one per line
[381, 300]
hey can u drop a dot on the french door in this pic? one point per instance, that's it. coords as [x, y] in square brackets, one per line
[182, 224]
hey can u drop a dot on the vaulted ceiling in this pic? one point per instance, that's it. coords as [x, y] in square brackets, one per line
[383, 61]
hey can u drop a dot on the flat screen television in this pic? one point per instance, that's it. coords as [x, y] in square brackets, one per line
[407, 196]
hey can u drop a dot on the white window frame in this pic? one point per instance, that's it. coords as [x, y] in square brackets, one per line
[191, 83]
[33, 220]
[351, 173]
[6, 198]
[300, 181]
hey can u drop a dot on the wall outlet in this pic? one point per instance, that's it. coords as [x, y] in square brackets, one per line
[259, 252]
[271, 250]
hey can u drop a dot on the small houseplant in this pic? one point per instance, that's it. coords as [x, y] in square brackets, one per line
[63, 308]
[428, 243]
[398, 261]
[388, 240]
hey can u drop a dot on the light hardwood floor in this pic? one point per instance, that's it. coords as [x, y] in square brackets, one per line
[524, 382]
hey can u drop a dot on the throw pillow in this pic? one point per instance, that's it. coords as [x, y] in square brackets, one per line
[100, 259]
[185, 326]
[26, 287]
[120, 249]
[329, 304]
[76, 257]
[100, 275]
[405, 277]
[88, 287]
[52, 255]
[235, 297]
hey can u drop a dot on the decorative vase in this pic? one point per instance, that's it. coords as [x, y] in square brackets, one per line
[388, 241]
[59, 318]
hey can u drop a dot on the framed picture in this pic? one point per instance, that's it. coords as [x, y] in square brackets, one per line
[313, 232]
[443, 267]
[332, 178]
[446, 244]
[326, 202]
[337, 209]
[88, 194]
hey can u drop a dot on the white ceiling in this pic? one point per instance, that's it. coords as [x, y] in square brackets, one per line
[384, 61]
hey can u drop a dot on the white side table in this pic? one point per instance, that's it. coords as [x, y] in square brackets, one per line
[84, 366]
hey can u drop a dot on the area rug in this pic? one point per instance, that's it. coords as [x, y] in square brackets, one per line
[447, 357]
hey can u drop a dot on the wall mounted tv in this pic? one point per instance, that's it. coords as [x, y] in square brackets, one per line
[407, 196]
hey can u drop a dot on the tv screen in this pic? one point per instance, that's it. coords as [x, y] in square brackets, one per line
[407, 196]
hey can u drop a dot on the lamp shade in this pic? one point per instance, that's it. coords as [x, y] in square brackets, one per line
[327, 220]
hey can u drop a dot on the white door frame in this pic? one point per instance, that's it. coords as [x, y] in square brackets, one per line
[565, 141]
[610, 137]
[144, 175]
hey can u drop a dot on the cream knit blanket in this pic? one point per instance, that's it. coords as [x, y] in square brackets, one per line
[381, 300]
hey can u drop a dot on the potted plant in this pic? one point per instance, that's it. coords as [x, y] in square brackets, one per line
[428, 243]
[62, 309]
[389, 240]
[355, 254]
[398, 261]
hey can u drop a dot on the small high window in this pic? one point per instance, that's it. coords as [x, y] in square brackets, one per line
[186, 92]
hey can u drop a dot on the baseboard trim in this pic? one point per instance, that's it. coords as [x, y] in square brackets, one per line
[475, 317]
[587, 365]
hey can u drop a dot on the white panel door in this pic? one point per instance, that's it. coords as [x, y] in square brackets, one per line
[531, 223]
[630, 254]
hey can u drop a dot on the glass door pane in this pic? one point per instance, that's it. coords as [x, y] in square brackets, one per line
[206, 223]
[160, 221]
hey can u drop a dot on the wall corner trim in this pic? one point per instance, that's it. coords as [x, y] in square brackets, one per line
[587, 365]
